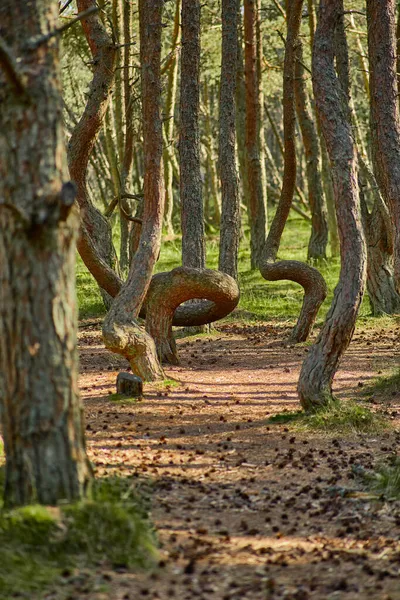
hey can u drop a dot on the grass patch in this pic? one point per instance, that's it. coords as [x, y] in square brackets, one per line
[122, 398]
[384, 385]
[166, 384]
[37, 543]
[338, 417]
[384, 480]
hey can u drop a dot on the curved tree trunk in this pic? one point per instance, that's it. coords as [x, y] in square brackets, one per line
[121, 331]
[319, 225]
[41, 415]
[192, 212]
[311, 280]
[257, 193]
[230, 224]
[385, 110]
[320, 365]
[168, 290]
[95, 231]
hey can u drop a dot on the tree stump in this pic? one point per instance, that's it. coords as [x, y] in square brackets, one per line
[129, 385]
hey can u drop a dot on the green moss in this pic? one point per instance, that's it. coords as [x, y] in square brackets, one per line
[38, 543]
[338, 417]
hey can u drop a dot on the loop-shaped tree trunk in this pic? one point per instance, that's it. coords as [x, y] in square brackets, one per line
[169, 290]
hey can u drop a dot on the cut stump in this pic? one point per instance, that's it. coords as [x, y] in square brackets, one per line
[129, 385]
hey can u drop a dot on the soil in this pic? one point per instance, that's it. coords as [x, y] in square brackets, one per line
[246, 509]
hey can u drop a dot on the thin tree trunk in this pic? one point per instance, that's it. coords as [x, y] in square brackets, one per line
[121, 331]
[230, 221]
[172, 85]
[41, 415]
[257, 199]
[319, 227]
[192, 212]
[321, 363]
[241, 110]
[385, 110]
[272, 270]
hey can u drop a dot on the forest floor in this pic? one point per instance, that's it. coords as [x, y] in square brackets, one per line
[246, 508]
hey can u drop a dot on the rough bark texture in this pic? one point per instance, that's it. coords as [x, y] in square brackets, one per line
[272, 270]
[40, 410]
[168, 290]
[192, 212]
[321, 363]
[230, 217]
[121, 331]
[385, 109]
[95, 230]
[257, 193]
[319, 225]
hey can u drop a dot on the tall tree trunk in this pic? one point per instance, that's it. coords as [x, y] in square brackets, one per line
[385, 110]
[95, 229]
[320, 365]
[271, 269]
[41, 415]
[230, 223]
[192, 212]
[241, 110]
[121, 331]
[172, 85]
[257, 193]
[319, 226]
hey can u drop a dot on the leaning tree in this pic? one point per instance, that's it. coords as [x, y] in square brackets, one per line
[40, 410]
[321, 363]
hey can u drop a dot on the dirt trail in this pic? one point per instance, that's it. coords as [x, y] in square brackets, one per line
[246, 509]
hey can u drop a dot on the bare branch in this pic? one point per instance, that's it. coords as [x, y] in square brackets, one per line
[38, 41]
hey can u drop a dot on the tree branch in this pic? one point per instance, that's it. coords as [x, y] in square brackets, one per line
[10, 68]
[43, 39]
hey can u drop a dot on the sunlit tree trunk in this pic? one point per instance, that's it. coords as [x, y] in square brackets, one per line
[321, 363]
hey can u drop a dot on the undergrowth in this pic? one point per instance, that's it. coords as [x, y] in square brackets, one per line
[384, 480]
[38, 543]
[338, 417]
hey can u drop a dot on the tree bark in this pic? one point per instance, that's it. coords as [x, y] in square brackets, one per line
[121, 331]
[257, 200]
[319, 225]
[192, 211]
[230, 217]
[272, 270]
[168, 290]
[385, 110]
[172, 84]
[95, 230]
[41, 415]
[321, 363]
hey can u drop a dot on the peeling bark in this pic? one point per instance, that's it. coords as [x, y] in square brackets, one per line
[321, 363]
[42, 422]
[272, 270]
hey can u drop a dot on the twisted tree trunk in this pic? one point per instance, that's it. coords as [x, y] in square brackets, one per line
[95, 229]
[321, 363]
[272, 270]
[121, 331]
[41, 415]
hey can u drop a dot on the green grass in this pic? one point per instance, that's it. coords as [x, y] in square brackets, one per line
[384, 480]
[260, 300]
[384, 385]
[38, 543]
[338, 417]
